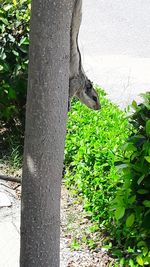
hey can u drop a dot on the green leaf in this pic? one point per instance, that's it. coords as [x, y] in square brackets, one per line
[147, 159]
[145, 251]
[11, 93]
[6, 67]
[129, 147]
[5, 21]
[148, 127]
[75, 245]
[11, 38]
[122, 261]
[24, 41]
[147, 260]
[131, 263]
[135, 105]
[130, 220]
[132, 199]
[7, 7]
[142, 191]
[146, 97]
[141, 244]
[119, 213]
[15, 53]
[146, 203]
[140, 179]
[14, 2]
[140, 260]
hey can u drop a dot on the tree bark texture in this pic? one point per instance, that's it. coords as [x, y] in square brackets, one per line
[47, 102]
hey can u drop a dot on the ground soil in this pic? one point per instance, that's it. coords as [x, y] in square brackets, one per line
[79, 245]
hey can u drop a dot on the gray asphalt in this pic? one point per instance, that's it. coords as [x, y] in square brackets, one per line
[115, 46]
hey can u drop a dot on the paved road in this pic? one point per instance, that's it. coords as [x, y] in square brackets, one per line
[115, 45]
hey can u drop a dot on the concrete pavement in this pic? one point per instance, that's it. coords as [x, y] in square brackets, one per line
[9, 227]
[115, 45]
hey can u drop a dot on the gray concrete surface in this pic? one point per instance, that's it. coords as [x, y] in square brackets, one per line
[115, 45]
[9, 227]
[9, 245]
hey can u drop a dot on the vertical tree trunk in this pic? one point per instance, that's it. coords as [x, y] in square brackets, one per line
[47, 101]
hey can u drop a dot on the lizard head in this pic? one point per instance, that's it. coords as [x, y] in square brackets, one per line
[88, 95]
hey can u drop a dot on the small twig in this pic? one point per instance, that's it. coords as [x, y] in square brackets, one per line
[15, 187]
[10, 178]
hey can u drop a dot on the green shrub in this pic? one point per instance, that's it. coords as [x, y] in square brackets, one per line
[132, 203]
[14, 42]
[118, 200]
[93, 144]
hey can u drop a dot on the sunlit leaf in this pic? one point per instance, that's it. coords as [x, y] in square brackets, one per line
[146, 203]
[7, 7]
[140, 179]
[119, 213]
[148, 127]
[14, 2]
[140, 260]
[147, 159]
[130, 220]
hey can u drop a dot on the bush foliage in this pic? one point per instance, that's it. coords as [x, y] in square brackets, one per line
[14, 40]
[92, 146]
[107, 162]
[132, 202]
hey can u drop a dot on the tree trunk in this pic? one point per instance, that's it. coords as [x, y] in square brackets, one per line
[47, 101]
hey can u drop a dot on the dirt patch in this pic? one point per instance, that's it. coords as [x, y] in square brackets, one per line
[75, 230]
[77, 240]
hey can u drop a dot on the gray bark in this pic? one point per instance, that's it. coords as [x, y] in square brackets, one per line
[47, 101]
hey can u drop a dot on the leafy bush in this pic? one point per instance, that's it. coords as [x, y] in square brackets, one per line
[118, 200]
[14, 42]
[132, 203]
[93, 145]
